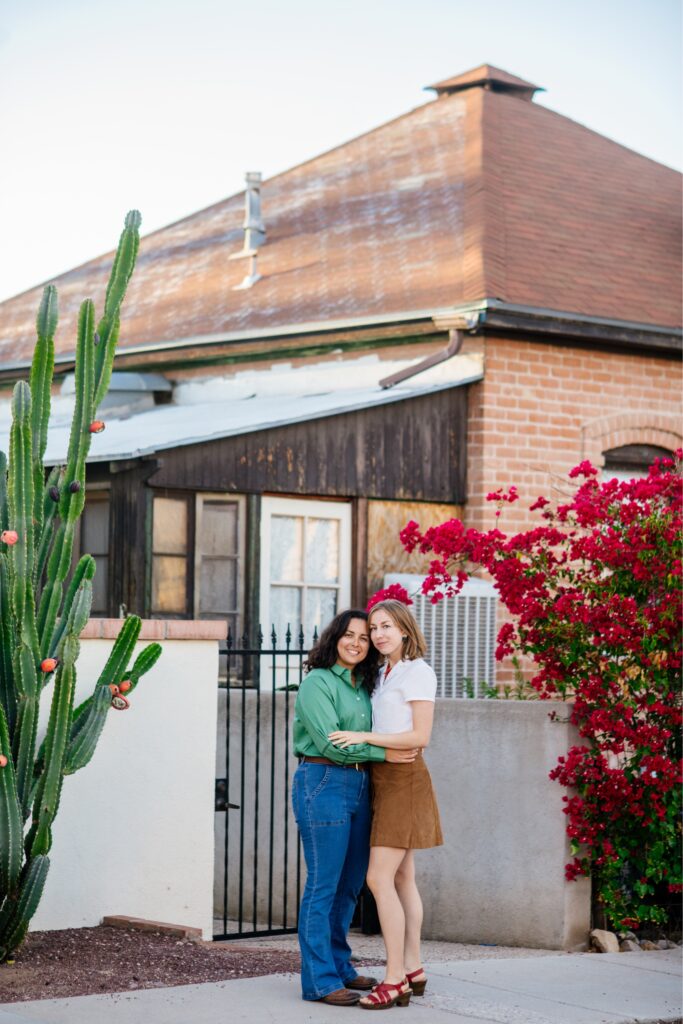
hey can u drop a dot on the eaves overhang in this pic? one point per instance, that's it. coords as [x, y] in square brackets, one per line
[484, 316]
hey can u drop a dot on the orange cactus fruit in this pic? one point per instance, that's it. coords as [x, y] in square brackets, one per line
[3, 760]
[114, 689]
[9, 537]
[119, 703]
[125, 686]
[96, 427]
[48, 665]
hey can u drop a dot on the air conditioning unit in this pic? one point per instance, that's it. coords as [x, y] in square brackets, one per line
[460, 633]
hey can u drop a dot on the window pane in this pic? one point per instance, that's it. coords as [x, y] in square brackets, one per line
[321, 607]
[286, 548]
[285, 610]
[168, 584]
[218, 585]
[170, 526]
[99, 586]
[322, 551]
[219, 528]
[95, 527]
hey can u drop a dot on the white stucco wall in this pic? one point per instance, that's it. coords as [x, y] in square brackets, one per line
[134, 832]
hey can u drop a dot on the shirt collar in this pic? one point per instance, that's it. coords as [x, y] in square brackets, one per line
[343, 673]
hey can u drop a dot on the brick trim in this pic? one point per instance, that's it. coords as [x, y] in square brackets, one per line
[159, 629]
[625, 428]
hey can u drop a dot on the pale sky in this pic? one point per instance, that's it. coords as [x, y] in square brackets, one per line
[164, 104]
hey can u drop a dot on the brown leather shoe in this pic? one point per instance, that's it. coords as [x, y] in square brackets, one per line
[340, 997]
[361, 983]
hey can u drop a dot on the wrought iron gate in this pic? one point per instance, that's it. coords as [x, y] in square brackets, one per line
[258, 880]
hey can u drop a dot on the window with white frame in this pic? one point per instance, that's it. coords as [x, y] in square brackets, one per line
[305, 565]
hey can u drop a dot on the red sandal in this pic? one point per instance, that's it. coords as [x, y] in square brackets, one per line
[385, 995]
[418, 987]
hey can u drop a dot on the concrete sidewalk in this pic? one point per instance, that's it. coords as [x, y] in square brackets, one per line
[576, 989]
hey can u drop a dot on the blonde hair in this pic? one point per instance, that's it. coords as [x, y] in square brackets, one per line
[414, 644]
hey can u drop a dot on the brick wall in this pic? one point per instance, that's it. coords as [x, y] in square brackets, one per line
[543, 408]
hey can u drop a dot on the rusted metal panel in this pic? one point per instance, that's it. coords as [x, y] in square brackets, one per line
[412, 450]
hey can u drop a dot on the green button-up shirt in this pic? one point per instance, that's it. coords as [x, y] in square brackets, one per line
[327, 701]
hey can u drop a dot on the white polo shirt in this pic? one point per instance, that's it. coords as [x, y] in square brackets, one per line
[409, 680]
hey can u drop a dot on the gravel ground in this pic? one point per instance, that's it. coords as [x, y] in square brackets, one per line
[85, 961]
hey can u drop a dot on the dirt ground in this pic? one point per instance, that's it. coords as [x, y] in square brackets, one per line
[82, 961]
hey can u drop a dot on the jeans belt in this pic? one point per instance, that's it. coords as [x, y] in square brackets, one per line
[360, 766]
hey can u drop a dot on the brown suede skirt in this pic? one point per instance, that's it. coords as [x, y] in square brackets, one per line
[405, 814]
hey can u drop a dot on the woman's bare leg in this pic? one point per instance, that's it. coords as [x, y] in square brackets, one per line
[384, 863]
[412, 910]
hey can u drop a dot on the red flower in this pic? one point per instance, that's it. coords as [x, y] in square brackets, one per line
[393, 593]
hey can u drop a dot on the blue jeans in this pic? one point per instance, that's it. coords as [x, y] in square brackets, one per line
[332, 810]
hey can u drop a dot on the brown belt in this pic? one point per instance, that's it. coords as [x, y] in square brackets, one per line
[360, 766]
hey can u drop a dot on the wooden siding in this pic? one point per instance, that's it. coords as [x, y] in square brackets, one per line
[411, 450]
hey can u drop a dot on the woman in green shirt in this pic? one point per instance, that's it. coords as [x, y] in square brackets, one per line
[331, 802]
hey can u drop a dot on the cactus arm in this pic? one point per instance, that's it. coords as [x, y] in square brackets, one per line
[88, 722]
[42, 368]
[70, 503]
[58, 566]
[24, 741]
[143, 663]
[85, 570]
[7, 692]
[11, 822]
[48, 790]
[108, 327]
[4, 512]
[20, 494]
[17, 913]
[47, 532]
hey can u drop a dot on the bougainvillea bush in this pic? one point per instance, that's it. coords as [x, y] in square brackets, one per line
[593, 592]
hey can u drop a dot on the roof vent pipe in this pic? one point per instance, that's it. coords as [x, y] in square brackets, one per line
[254, 228]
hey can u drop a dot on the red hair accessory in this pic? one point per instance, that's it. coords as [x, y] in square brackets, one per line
[393, 593]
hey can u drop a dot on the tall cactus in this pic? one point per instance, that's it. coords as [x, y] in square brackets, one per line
[40, 623]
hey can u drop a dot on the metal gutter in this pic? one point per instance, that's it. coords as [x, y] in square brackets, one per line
[486, 315]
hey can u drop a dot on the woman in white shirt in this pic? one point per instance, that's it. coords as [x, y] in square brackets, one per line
[404, 808]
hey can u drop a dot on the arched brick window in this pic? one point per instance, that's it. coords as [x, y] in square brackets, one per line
[631, 460]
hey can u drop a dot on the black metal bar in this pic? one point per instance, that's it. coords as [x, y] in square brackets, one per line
[272, 802]
[287, 800]
[257, 758]
[226, 826]
[240, 908]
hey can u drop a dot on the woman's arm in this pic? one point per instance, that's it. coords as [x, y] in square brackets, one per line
[418, 736]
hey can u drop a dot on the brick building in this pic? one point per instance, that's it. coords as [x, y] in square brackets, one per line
[479, 293]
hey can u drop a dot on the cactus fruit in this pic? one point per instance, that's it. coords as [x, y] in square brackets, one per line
[40, 623]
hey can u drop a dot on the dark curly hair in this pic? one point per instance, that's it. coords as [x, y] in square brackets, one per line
[324, 653]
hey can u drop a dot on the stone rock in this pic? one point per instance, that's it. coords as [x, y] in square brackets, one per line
[628, 935]
[648, 946]
[666, 944]
[604, 942]
[629, 946]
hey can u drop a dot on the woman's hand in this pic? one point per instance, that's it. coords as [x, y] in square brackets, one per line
[343, 738]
